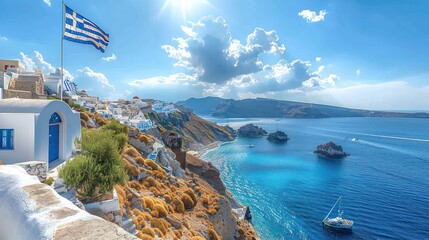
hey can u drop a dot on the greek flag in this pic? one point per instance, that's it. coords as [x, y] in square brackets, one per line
[81, 30]
[70, 86]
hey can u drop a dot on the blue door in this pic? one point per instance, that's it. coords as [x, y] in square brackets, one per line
[54, 142]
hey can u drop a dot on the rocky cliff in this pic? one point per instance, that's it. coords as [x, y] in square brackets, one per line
[195, 131]
[195, 206]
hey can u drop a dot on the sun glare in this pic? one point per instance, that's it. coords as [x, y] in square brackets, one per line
[184, 7]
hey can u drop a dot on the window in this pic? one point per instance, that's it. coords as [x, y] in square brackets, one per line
[55, 118]
[7, 142]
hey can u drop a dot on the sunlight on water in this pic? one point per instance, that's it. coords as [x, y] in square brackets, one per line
[384, 183]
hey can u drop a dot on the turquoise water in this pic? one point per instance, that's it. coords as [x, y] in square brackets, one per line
[384, 183]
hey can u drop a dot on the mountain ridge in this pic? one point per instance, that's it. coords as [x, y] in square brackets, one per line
[272, 108]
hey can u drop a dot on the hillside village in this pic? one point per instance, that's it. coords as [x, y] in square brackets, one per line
[123, 161]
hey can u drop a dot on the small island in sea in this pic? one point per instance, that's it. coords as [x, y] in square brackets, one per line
[331, 150]
[278, 137]
[250, 130]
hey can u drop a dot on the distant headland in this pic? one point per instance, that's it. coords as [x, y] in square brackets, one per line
[271, 108]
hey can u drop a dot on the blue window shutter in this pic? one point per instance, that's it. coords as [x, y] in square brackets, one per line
[6, 139]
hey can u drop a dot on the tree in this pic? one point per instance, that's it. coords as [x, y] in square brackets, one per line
[99, 167]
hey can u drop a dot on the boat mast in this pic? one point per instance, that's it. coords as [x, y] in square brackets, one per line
[332, 208]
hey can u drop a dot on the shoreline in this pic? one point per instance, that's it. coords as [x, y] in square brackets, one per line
[208, 148]
[239, 209]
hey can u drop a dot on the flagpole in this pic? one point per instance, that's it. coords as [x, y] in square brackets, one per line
[62, 52]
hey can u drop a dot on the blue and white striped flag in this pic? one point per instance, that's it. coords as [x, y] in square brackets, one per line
[69, 86]
[81, 30]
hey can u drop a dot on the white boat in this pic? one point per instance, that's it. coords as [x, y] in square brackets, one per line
[337, 223]
[251, 146]
[355, 139]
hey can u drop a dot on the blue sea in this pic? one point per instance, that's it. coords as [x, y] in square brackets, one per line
[384, 183]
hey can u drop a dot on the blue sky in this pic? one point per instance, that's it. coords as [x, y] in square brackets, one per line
[355, 53]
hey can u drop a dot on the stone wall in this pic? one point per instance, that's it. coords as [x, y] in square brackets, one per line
[17, 94]
[32, 210]
[110, 208]
[35, 168]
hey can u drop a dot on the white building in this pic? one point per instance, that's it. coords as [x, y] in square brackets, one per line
[53, 81]
[37, 130]
[163, 107]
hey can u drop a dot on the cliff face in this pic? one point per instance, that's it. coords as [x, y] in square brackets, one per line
[195, 131]
[173, 207]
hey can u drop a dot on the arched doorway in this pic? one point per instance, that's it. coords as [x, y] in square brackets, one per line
[54, 137]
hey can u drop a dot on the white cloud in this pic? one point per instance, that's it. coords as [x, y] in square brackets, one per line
[318, 81]
[3, 38]
[393, 95]
[111, 58]
[210, 51]
[358, 72]
[42, 63]
[312, 16]
[173, 79]
[223, 66]
[318, 59]
[37, 60]
[29, 64]
[100, 77]
[48, 2]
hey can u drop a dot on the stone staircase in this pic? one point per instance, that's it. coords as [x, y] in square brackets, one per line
[128, 225]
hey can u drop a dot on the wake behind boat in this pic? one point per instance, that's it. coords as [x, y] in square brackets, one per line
[337, 223]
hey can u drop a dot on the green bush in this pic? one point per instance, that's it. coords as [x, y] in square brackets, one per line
[116, 126]
[98, 168]
[49, 181]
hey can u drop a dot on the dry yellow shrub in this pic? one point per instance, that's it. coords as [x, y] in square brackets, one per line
[201, 214]
[83, 123]
[160, 173]
[84, 116]
[170, 208]
[159, 233]
[148, 202]
[206, 199]
[187, 201]
[134, 184]
[162, 212]
[150, 163]
[151, 182]
[131, 151]
[213, 235]
[211, 211]
[144, 138]
[167, 198]
[155, 213]
[198, 238]
[155, 191]
[161, 224]
[140, 160]
[122, 197]
[149, 231]
[198, 190]
[191, 194]
[178, 205]
[140, 222]
[177, 233]
[146, 237]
